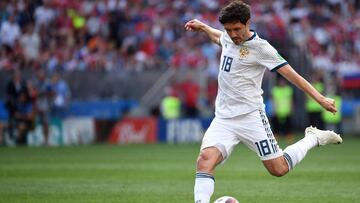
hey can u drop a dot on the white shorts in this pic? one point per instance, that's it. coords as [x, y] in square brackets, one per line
[252, 129]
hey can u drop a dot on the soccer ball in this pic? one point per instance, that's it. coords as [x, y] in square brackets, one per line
[226, 199]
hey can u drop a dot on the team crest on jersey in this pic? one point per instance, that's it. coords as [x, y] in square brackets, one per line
[244, 52]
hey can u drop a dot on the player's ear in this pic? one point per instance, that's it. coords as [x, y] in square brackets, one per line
[247, 23]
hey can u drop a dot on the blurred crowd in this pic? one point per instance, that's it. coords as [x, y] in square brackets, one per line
[29, 101]
[52, 36]
[142, 34]
[107, 34]
[330, 31]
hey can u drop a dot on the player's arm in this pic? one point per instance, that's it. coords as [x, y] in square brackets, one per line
[291, 75]
[196, 25]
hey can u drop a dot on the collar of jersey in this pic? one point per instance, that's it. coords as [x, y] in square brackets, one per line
[253, 36]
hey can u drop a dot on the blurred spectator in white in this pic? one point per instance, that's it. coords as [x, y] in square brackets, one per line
[93, 24]
[30, 42]
[61, 97]
[9, 32]
[44, 14]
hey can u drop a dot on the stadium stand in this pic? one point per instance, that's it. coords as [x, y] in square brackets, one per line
[117, 49]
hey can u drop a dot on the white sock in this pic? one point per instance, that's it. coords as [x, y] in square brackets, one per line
[204, 187]
[294, 153]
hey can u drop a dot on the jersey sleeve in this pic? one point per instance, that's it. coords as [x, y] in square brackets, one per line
[221, 39]
[270, 58]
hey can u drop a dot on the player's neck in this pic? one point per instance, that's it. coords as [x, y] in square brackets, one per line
[249, 34]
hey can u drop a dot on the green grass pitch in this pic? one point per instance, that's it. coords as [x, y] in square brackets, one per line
[165, 173]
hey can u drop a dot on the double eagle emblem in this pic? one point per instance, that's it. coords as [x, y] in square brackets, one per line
[244, 51]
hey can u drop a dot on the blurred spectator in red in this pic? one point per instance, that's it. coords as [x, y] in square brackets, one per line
[190, 92]
[212, 87]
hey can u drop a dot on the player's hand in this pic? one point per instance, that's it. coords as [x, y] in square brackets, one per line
[194, 25]
[329, 105]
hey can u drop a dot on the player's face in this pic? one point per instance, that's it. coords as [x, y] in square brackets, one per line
[238, 32]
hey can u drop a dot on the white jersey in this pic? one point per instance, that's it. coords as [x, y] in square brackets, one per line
[241, 72]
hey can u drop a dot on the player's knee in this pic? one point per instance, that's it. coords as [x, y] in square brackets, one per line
[205, 162]
[278, 171]
[277, 167]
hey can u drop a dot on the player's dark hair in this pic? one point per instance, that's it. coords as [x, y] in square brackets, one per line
[236, 11]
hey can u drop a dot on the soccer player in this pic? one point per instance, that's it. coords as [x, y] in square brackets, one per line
[239, 113]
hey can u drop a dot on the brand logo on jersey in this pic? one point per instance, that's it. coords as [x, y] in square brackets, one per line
[244, 52]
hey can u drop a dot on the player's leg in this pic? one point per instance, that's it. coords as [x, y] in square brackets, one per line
[259, 138]
[204, 179]
[314, 137]
[216, 147]
[294, 153]
[277, 166]
[208, 159]
[256, 134]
